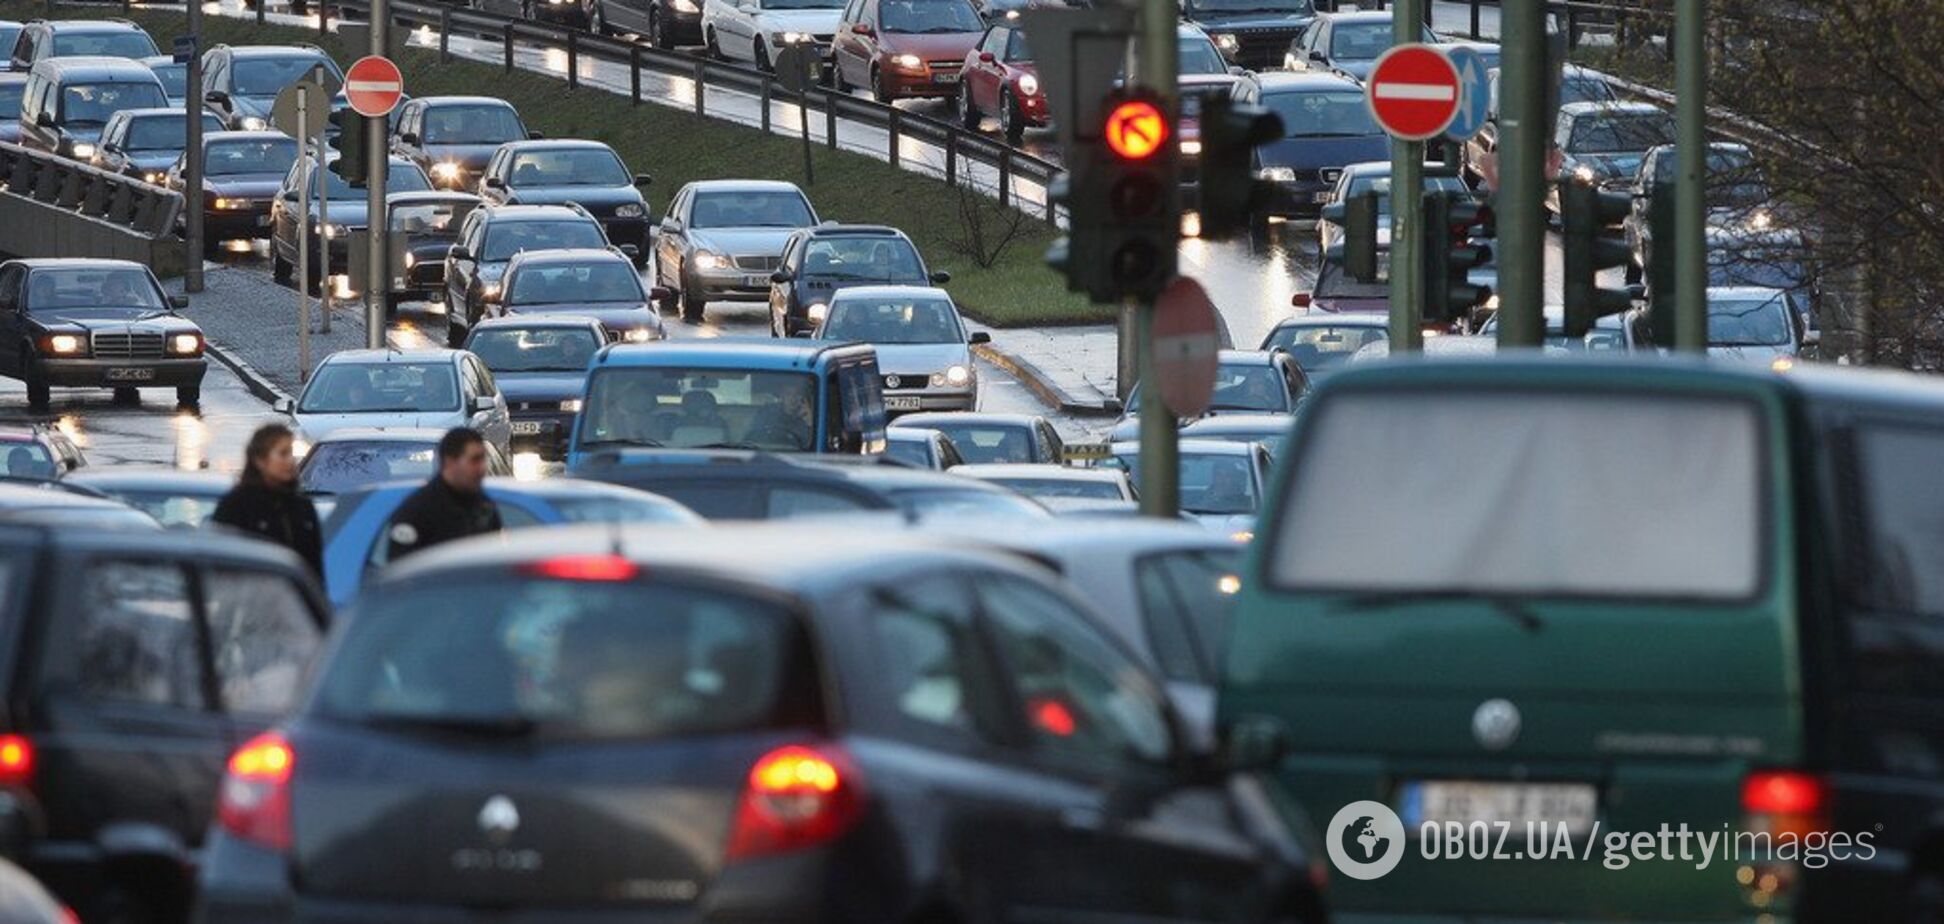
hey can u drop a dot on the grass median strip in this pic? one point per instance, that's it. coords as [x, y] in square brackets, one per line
[677, 146]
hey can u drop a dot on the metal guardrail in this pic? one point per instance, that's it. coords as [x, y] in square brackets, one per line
[958, 144]
[54, 207]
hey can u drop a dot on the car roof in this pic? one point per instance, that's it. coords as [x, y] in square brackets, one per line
[432, 101]
[1247, 357]
[1382, 16]
[971, 418]
[1189, 447]
[15, 77]
[95, 67]
[539, 319]
[161, 61]
[1609, 107]
[89, 25]
[213, 543]
[728, 352]
[557, 144]
[1764, 293]
[427, 195]
[832, 229]
[569, 255]
[159, 111]
[1303, 82]
[381, 356]
[16, 434]
[744, 186]
[154, 477]
[380, 435]
[1042, 470]
[1128, 538]
[36, 263]
[889, 292]
[214, 137]
[1236, 423]
[1343, 319]
[533, 213]
[276, 51]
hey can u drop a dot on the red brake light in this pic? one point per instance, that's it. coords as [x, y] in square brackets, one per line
[1785, 802]
[16, 760]
[1053, 717]
[68, 916]
[585, 568]
[255, 801]
[796, 797]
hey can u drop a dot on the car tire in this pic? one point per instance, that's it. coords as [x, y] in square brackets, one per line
[657, 36]
[711, 46]
[837, 81]
[280, 268]
[877, 86]
[968, 114]
[1011, 122]
[39, 395]
[692, 306]
[189, 395]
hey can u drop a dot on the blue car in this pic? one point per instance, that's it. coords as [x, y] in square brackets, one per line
[354, 540]
[756, 394]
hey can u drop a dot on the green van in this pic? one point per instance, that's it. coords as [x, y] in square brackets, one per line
[1537, 609]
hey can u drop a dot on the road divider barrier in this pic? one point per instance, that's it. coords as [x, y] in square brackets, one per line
[56, 207]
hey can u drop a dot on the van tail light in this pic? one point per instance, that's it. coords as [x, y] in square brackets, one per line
[1785, 802]
[796, 797]
[68, 916]
[585, 568]
[254, 804]
[16, 761]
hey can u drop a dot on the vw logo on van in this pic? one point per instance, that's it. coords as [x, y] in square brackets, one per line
[1496, 724]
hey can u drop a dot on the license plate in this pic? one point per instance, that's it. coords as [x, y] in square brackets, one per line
[945, 78]
[756, 280]
[131, 374]
[526, 428]
[901, 403]
[1517, 804]
[1323, 196]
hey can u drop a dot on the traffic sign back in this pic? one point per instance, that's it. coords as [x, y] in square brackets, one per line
[316, 110]
[1185, 347]
[1413, 91]
[1475, 91]
[373, 86]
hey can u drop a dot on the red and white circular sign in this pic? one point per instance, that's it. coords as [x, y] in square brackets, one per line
[373, 86]
[1413, 91]
[1187, 348]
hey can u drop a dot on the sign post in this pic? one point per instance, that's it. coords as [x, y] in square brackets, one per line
[796, 69]
[187, 53]
[301, 111]
[1414, 93]
[374, 86]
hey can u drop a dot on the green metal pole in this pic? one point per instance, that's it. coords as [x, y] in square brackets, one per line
[1407, 211]
[1690, 208]
[1522, 173]
[1156, 68]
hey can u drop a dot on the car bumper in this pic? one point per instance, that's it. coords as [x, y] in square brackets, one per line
[544, 432]
[127, 373]
[918, 83]
[231, 224]
[627, 231]
[1299, 199]
[425, 280]
[912, 400]
[732, 285]
[682, 28]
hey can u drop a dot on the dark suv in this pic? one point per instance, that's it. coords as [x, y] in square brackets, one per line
[134, 663]
[241, 82]
[818, 261]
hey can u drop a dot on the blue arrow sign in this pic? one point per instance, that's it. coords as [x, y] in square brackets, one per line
[1475, 90]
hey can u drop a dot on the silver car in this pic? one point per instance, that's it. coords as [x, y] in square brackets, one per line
[922, 344]
[396, 389]
[721, 240]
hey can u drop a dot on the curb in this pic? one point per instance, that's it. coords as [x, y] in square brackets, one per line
[1042, 385]
[259, 384]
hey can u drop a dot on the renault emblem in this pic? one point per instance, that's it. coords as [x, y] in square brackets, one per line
[499, 819]
[1496, 724]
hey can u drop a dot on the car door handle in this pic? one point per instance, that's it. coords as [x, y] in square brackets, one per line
[1079, 818]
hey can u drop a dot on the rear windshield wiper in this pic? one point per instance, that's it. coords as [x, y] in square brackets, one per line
[1514, 610]
[489, 726]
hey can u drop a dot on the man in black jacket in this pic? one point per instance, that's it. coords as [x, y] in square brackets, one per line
[453, 505]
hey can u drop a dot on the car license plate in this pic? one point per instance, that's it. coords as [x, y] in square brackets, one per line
[1323, 196]
[756, 280]
[131, 374]
[526, 428]
[1517, 804]
[951, 77]
[901, 402]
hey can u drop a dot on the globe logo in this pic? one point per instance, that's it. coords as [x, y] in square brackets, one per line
[1365, 840]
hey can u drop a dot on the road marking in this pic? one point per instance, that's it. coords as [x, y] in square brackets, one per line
[1421, 91]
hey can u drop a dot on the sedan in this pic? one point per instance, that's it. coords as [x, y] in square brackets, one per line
[921, 344]
[983, 437]
[756, 31]
[242, 172]
[436, 389]
[145, 143]
[540, 364]
[905, 48]
[1327, 126]
[85, 323]
[1321, 343]
[347, 208]
[452, 137]
[875, 725]
[585, 173]
[1346, 43]
[598, 284]
[489, 237]
[721, 240]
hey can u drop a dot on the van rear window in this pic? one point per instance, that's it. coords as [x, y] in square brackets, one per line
[1526, 494]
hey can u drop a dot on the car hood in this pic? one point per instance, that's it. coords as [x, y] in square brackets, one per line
[1610, 166]
[347, 212]
[939, 47]
[473, 157]
[815, 22]
[596, 199]
[766, 242]
[1316, 153]
[10, 132]
[1342, 305]
[540, 386]
[1226, 522]
[1357, 70]
[614, 317]
[156, 161]
[245, 185]
[93, 319]
[259, 106]
[1751, 352]
[317, 426]
[920, 358]
[1218, 21]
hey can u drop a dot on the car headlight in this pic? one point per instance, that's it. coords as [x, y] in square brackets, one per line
[154, 177]
[710, 260]
[62, 344]
[224, 205]
[1761, 220]
[1226, 41]
[816, 312]
[447, 171]
[299, 447]
[912, 61]
[185, 344]
[335, 230]
[1191, 147]
[1492, 303]
[638, 335]
[957, 376]
[630, 210]
[83, 149]
[1585, 174]
[1277, 174]
[1028, 85]
[254, 124]
[411, 259]
[489, 290]
[790, 38]
[685, 6]
[571, 405]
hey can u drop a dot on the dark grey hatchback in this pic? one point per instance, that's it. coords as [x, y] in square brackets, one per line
[738, 723]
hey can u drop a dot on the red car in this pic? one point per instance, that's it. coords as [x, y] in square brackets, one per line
[905, 48]
[1000, 81]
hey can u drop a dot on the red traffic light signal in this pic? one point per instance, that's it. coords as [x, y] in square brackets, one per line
[1136, 129]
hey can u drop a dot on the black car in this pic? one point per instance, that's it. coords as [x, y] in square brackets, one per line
[424, 226]
[475, 267]
[347, 207]
[241, 82]
[738, 724]
[242, 172]
[540, 364]
[584, 173]
[145, 143]
[1251, 33]
[1327, 126]
[665, 23]
[452, 137]
[746, 485]
[82, 323]
[818, 261]
[150, 658]
[588, 282]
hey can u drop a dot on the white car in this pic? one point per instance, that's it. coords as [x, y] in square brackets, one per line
[757, 30]
[394, 389]
[1054, 485]
[922, 344]
[1221, 483]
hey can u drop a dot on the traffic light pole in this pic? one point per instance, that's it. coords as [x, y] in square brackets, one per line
[1407, 211]
[1522, 174]
[1690, 209]
[1155, 66]
[192, 164]
[377, 279]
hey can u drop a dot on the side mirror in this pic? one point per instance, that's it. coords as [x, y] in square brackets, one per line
[940, 278]
[1254, 744]
[660, 294]
[485, 403]
[457, 252]
[408, 137]
[1300, 300]
[782, 275]
[987, 57]
[537, 136]
[978, 337]
[284, 406]
[110, 148]
[643, 179]
[178, 302]
[1317, 56]
[671, 225]
[218, 97]
[630, 251]
[44, 120]
[493, 182]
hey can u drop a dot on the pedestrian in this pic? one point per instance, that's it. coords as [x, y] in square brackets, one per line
[266, 503]
[453, 505]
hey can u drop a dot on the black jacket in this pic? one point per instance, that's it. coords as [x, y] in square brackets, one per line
[436, 513]
[284, 517]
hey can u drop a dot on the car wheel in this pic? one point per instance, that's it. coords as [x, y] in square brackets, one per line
[280, 268]
[968, 114]
[1010, 121]
[127, 395]
[877, 86]
[189, 396]
[837, 81]
[39, 395]
[656, 36]
[692, 306]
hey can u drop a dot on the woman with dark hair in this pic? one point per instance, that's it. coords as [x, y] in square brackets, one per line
[265, 502]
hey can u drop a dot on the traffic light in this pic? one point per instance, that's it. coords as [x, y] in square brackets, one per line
[1121, 197]
[1357, 216]
[1231, 196]
[1660, 264]
[1585, 213]
[353, 162]
[1450, 254]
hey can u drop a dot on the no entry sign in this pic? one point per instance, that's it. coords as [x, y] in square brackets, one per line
[1187, 348]
[1414, 92]
[373, 86]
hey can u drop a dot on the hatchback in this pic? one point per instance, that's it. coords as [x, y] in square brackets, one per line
[437, 389]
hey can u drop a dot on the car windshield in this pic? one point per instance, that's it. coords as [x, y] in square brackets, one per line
[130, 44]
[700, 407]
[1250, 388]
[981, 443]
[506, 238]
[1211, 484]
[256, 77]
[1091, 488]
[576, 167]
[402, 177]
[337, 466]
[168, 509]
[1765, 268]
[862, 259]
[750, 210]
[1381, 185]
[579, 283]
[1298, 7]
[948, 503]
[1748, 322]
[266, 155]
[93, 103]
[1586, 90]
[62, 289]
[430, 218]
[893, 320]
[382, 388]
[165, 132]
[482, 124]
[929, 16]
[1198, 55]
[1324, 114]
[537, 349]
[1359, 41]
[519, 652]
[1317, 349]
[174, 77]
[27, 460]
[10, 94]
[1333, 282]
[1621, 134]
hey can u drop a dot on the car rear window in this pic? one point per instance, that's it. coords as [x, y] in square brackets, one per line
[625, 659]
[1526, 493]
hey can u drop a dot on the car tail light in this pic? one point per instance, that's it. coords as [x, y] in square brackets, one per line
[68, 916]
[1785, 802]
[1052, 717]
[16, 760]
[795, 797]
[585, 568]
[255, 801]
